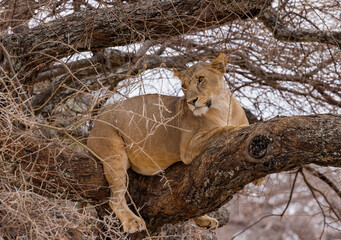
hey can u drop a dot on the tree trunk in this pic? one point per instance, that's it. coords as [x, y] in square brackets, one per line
[235, 159]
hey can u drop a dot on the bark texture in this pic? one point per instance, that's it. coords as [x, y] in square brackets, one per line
[184, 191]
[124, 24]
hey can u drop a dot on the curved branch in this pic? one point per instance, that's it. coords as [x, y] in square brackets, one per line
[235, 159]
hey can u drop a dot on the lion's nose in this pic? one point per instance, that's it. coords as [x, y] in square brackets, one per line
[192, 102]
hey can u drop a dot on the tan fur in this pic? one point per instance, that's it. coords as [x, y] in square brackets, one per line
[206, 221]
[151, 132]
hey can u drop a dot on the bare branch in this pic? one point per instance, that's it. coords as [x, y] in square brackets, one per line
[281, 32]
[125, 23]
[324, 178]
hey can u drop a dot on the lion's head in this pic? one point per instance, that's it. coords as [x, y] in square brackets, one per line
[203, 84]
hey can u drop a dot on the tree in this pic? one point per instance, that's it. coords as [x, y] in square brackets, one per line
[61, 61]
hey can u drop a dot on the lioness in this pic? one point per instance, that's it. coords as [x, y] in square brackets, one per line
[151, 132]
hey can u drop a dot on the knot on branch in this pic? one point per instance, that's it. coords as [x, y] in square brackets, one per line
[258, 146]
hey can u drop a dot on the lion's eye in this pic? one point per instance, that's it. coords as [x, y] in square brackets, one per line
[200, 79]
[184, 86]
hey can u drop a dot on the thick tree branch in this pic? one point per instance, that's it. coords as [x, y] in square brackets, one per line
[124, 24]
[235, 159]
[283, 33]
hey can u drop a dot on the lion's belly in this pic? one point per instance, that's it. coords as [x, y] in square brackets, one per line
[154, 153]
[151, 153]
[151, 162]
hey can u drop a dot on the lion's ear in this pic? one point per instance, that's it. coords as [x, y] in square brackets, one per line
[179, 73]
[219, 63]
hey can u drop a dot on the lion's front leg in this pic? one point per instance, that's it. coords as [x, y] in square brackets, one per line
[193, 145]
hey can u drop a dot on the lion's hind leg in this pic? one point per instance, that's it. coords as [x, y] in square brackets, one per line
[206, 221]
[116, 164]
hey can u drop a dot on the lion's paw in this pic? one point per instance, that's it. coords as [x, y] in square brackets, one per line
[206, 221]
[134, 224]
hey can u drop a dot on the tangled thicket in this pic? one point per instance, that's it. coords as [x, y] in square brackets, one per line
[60, 61]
